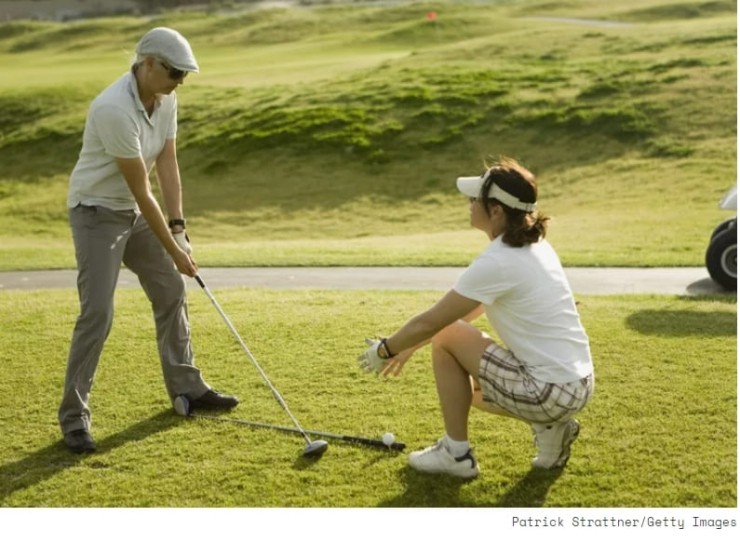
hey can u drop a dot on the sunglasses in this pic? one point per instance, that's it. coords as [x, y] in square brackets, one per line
[174, 73]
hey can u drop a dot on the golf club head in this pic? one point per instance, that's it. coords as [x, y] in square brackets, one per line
[182, 406]
[315, 448]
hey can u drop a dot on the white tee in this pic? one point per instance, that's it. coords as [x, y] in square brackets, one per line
[530, 305]
[118, 126]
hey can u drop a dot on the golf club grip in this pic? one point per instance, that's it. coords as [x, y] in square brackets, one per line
[200, 282]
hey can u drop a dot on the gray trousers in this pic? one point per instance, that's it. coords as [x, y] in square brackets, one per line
[103, 239]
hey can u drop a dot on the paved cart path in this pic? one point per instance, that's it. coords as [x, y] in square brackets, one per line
[677, 281]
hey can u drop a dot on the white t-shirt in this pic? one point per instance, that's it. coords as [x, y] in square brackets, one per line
[118, 126]
[530, 305]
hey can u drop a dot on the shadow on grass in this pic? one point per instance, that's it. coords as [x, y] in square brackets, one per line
[47, 462]
[306, 462]
[424, 490]
[683, 323]
[707, 288]
[530, 491]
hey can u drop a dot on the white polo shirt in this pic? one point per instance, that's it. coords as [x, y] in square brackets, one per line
[118, 126]
[530, 305]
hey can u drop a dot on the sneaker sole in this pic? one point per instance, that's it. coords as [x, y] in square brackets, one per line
[567, 443]
[446, 472]
[568, 439]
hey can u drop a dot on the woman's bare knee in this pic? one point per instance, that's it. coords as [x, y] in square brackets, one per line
[462, 343]
[453, 334]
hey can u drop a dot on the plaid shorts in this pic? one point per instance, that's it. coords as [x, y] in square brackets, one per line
[506, 383]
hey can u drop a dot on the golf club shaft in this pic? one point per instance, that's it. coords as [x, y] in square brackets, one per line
[275, 392]
[397, 446]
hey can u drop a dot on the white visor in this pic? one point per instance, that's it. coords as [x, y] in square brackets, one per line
[471, 187]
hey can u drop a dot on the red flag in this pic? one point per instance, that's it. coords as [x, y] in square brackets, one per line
[432, 16]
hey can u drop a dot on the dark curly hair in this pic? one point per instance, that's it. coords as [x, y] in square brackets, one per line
[522, 227]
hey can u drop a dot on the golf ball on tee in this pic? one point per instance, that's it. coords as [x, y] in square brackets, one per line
[388, 439]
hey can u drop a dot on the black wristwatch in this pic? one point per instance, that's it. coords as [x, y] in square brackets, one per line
[176, 222]
[383, 351]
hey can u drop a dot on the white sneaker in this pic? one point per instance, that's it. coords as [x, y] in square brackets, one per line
[437, 459]
[553, 442]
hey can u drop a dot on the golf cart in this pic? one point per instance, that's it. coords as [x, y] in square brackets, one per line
[721, 257]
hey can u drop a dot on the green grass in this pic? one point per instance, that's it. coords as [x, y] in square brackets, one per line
[332, 135]
[659, 432]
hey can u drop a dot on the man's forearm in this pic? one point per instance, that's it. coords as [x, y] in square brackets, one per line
[135, 174]
[153, 214]
[168, 176]
[172, 195]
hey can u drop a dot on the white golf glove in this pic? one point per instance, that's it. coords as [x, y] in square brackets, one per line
[183, 241]
[370, 360]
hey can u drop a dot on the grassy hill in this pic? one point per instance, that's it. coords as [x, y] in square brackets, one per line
[333, 134]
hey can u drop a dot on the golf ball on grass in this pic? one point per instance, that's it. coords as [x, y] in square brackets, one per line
[388, 439]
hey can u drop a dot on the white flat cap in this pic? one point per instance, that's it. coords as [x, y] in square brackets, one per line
[170, 46]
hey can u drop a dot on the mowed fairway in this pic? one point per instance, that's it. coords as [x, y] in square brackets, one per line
[652, 437]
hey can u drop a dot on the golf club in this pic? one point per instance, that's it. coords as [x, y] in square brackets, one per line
[396, 445]
[313, 448]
